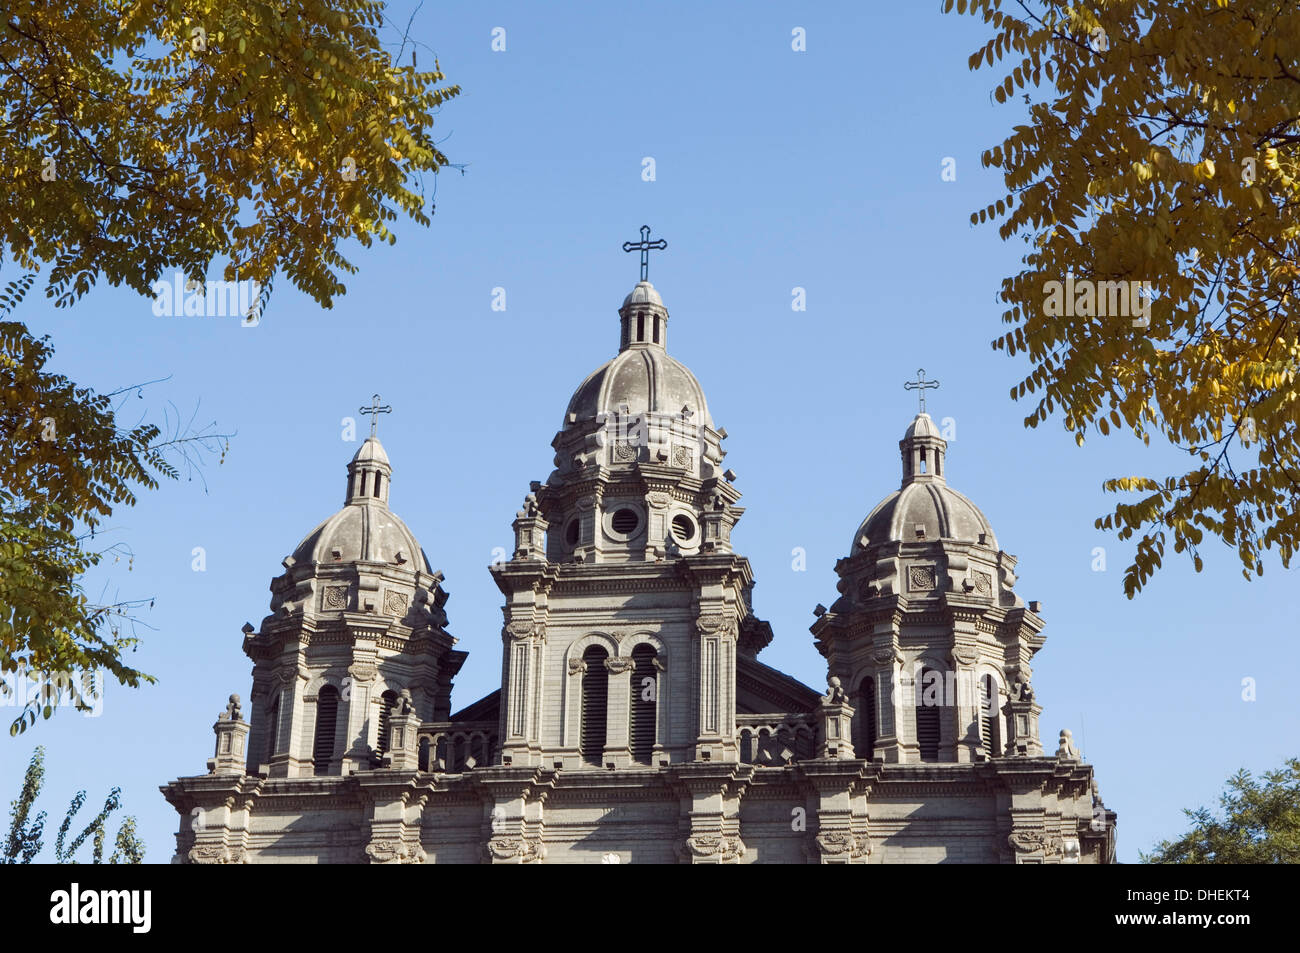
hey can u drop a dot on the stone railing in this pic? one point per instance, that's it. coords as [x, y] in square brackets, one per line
[771, 740]
[456, 746]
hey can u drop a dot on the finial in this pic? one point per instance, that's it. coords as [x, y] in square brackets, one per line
[644, 246]
[922, 385]
[374, 410]
[232, 712]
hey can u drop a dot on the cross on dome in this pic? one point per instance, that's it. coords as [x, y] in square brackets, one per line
[644, 246]
[922, 385]
[374, 410]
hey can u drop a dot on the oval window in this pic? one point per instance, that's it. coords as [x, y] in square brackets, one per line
[683, 528]
[625, 521]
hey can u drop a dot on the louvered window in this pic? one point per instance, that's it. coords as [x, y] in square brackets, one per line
[989, 717]
[929, 697]
[327, 713]
[388, 701]
[645, 695]
[866, 743]
[595, 699]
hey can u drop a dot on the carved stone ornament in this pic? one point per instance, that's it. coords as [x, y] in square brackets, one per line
[521, 630]
[395, 602]
[216, 854]
[510, 848]
[624, 450]
[618, 664]
[983, 582]
[335, 597]
[920, 578]
[1067, 751]
[709, 624]
[363, 671]
[232, 712]
[393, 851]
[965, 654]
[577, 666]
[1030, 841]
[886, 656]
[839, 843]
[715, 845]
[682, 457]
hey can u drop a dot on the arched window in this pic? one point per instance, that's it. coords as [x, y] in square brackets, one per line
[645, 697]
[929, 703]
[272, 726]
[327, 713]
[387, 702]
[866, 741]
[989, 734]
[595, 699]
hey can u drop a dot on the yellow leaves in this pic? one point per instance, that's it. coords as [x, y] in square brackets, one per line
[1117, 178]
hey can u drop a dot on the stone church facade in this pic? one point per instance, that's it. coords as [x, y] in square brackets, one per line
[635, 721]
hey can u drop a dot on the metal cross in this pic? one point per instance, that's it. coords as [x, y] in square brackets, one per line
[644, 246]
[374, 410]
[922, 385]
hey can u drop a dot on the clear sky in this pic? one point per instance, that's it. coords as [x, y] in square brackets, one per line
[774, 169]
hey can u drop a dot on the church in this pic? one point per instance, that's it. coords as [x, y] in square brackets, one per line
[635, 722]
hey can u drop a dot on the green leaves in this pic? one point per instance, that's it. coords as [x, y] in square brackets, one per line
[25, 841]
[1258, 823]
[65, 468]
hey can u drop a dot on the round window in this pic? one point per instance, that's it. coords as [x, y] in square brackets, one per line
[625, 521]
[683, 528]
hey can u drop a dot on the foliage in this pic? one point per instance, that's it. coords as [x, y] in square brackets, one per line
[1260, 824]
[1162, 146]
[143, 135]
[24, 841]
[67, 465]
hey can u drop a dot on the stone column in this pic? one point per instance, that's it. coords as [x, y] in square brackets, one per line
[716, 710]
[356, 701]
[837, 837]
[967, 703]
[518, 701]
[890, 743]
[618, 748]
[513, 799]
[710, 810]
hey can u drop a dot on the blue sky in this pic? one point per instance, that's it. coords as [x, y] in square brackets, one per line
[775, 169]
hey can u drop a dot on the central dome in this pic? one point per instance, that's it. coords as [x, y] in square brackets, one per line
[646, 380]
[642, 375]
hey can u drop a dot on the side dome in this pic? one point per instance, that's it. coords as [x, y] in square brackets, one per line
[924, 507]
[365, 529]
